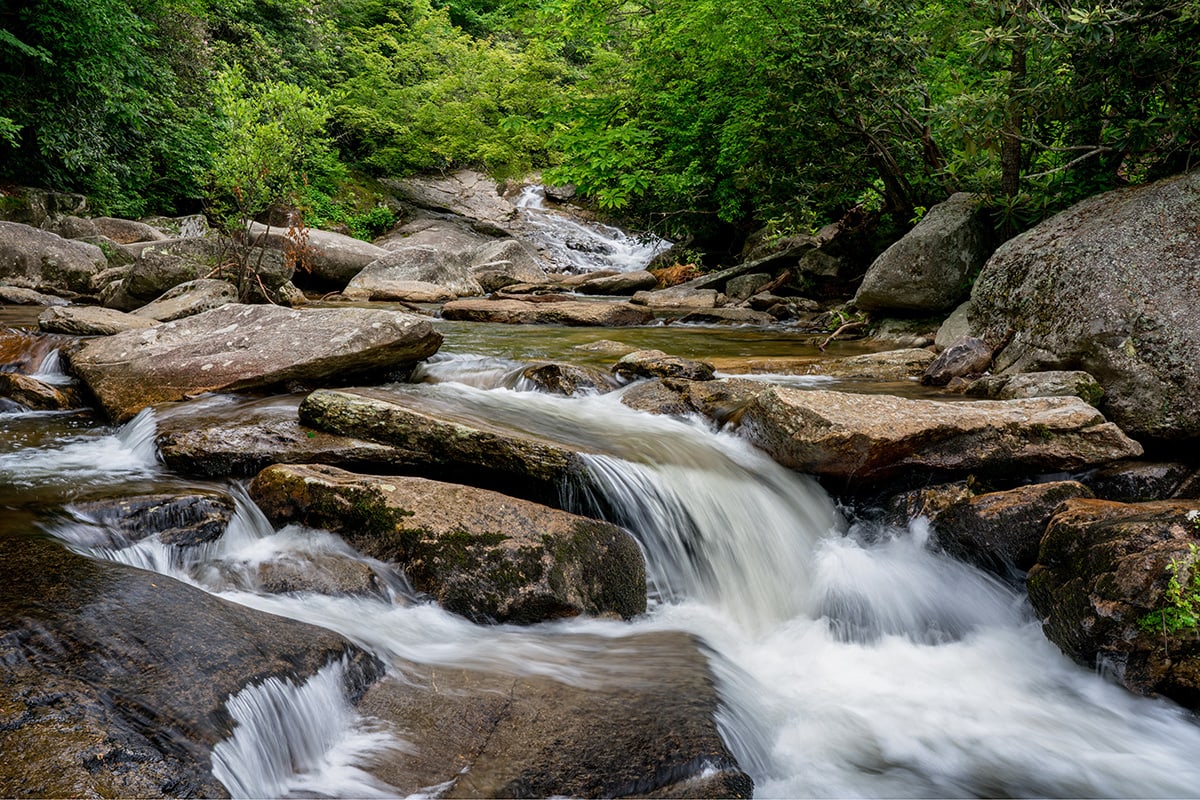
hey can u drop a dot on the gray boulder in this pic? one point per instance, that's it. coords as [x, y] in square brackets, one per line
[566, 379]
[186, 299]
[37, 259]
[868, 439]
[1053, 383]
[572, 313]
[91, 321]
[727, 316]
[17, 296]
[464, 192]
[237, 347]
[657, 364]
[620, 283]
[679, 297]
[965, 357]
[487, 556]
[1108, 286]
[38, 207]
[505, 262]
[127, 231]
[929, 269]
[329, 258]
[423, 263]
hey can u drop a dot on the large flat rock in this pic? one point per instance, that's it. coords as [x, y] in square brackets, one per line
[239, 347]
[573, 313]
[865, 439]
[481, 554]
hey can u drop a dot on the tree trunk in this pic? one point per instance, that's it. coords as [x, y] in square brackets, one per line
[1010, 136]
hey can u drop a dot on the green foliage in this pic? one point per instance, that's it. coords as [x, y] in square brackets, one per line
[1181, 600]
[364, 221]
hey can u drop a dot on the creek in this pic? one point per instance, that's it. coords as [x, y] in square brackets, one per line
[851, 659]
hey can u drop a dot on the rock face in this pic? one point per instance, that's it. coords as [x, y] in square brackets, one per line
[101, 694]
[245, 347]
[1108, 286]
[643, 726]
[519, 312]
[484, 555]
[465, 192]
[1101, 588]
[864, 439]
[929, 269]
[36, 259]
[657, 364]
[91, 321]
[332, 259]
[472, 450]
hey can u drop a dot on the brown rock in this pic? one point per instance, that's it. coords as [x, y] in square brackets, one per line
[519, 312]
[36, 395]
[657, 364]
[567, 379]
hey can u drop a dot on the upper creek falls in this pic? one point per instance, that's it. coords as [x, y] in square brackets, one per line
[846, 657]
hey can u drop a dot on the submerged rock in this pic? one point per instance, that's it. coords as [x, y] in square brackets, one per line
[567, 379]
[236, 347]
[572, 313]
[643, 723]
[183, 520]
[487, 556]
[867, 439]
[1101, 589]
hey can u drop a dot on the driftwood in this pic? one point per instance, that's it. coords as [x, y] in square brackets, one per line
[848, 327]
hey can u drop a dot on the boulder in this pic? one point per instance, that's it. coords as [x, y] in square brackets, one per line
[487, 556]
[36, 259]
[643, 724]
[161, 266]
[524, 312]
[103, 696]
[424, 263]
[930, 268]
[1108, 286]
[404, 291]
[181, 520]
[743, 287]
[329, 259]
[679, 297]
[330, 574]
[721, 401]
[187, 299]
[956, 326]
[965, 357]
[127, 231]
[727, 316]
[566, 379]
[72, 227]
[657, 364]
[890, 365]
[620, 283]
[29, 392]
[505, 262]
[236, 347]
[1102, 589]
[16, 296]
[191, 226]
[243, 442]
[471, 450]
[464, 192]
[1137, 481]
[91, 321]
[450, 235]
[867, 439]
[1053, 383]
[1001, 531]
[39, 208]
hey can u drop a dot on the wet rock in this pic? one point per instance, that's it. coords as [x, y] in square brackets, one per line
[620, 283]
[91, 321]
[964, 357]
[481, 554]
[1137, 481]
[36, 259]
[236, 348]
[567, 379]
[890, 365]
[680, 298]
[657, 364]
[16, 296]
[866, 439]
[472, 450]
[183, 520]
[187, 299]
[721, 401]
[101, 694]
[929, 502]
[1053, 383]
[36, 395]
[1001, 531]
[728, 316]
[1100, 587]
[244, 443]
[330, 574]
[606, 346]
[127, 231]
[328, 258]
[642, 725]
[524, 312]
[1108, 286]
[930, 268]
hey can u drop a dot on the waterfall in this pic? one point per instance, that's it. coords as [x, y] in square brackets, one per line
[91, 458]
[51, 370]
[583, 246]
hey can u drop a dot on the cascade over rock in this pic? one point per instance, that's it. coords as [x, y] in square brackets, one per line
[1108, 286]
[237, 347]
[478, 553]
[865, 439]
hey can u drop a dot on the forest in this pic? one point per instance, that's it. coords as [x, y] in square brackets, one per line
[698, 118]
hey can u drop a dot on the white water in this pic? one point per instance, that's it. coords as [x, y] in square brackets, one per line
[584, 247]
[51, 370]
[92, 458]
[856, 663]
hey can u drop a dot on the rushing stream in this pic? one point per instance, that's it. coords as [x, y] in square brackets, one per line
[851, 659]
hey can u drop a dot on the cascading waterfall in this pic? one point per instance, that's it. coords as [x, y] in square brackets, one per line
[852, 661]
[581, 247]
